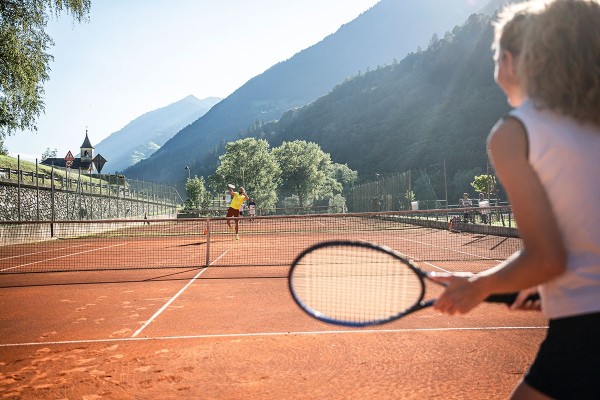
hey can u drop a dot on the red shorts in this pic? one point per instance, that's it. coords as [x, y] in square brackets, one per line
[232, 212]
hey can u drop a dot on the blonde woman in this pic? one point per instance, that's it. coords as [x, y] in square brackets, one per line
[546, 154]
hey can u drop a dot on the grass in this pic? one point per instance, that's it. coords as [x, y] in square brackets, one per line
[28, 168]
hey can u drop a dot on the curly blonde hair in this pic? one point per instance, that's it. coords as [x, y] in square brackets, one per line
[560, 59]
[510, 25]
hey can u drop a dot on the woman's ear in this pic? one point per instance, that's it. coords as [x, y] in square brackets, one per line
[510, 61]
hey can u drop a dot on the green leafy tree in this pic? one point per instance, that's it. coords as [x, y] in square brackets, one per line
[343, 174]
[306, 171]
[249, 163]
[484, 184]
[25, 61]
[49, 153]
[3, 149]
[337, 204]
[197, 195]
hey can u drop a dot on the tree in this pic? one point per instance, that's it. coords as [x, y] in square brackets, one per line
[343, 174]
[484, 184]
[24, 58]
[3, 150]
[306, 171]
[434, 41]
[49, 153]
[196, 193]
[249, 163]
[337, 204]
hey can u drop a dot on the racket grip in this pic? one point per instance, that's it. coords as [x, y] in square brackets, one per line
[509, 298]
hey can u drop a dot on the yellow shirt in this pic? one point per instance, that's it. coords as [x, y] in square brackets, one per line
[237, 200]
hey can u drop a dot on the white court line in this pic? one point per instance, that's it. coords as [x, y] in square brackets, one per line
[157, 313]
[264, 334]
[437, 267]
[445, 248]
[59, 257]
[44, 251]
[433, 265]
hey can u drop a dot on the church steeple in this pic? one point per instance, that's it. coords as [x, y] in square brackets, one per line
[87, 150]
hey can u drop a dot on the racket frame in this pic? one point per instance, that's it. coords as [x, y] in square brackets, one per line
[418, 304]
[507, 298]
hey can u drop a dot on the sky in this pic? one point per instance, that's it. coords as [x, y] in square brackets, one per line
[135, 56]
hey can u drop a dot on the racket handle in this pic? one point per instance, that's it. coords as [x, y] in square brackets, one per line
[509, 298]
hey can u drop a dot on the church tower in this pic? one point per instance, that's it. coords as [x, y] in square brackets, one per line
[87, 150]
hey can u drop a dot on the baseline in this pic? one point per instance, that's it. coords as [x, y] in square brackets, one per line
[267, 334]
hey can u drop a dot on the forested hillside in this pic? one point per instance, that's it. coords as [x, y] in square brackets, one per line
[432, 107]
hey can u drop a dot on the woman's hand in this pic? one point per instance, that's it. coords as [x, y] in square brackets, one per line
[462, 294]
[521, 302]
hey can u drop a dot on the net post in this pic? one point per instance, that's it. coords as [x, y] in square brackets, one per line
[207, 260]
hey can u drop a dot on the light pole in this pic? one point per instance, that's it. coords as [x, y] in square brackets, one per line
[188, 170]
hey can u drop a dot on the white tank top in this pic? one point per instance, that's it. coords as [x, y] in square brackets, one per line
[566, 157]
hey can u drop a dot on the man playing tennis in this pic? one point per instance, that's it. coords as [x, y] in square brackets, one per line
[237, 199]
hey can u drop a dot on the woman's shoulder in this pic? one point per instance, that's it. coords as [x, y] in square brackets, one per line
[508, 133]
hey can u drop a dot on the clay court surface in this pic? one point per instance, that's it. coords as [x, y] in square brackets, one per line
[222, 332]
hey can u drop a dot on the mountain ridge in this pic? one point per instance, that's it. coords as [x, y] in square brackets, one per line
[141, 137]
[363, 43]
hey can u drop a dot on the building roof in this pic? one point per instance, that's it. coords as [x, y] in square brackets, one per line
[62, 163]
[86, 143]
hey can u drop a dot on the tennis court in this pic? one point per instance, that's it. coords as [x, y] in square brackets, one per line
[180, 309]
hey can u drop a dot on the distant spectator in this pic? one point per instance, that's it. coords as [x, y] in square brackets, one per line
[484, 213]
[251, 208]
[466, 202]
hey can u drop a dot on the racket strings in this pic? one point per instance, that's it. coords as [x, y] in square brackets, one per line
[356, 284]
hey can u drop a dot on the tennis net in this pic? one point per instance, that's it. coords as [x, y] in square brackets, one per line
[261, 241]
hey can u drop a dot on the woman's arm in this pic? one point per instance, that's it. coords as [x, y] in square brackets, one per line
[543, 255]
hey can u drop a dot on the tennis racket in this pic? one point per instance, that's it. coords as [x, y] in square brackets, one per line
[361, 284]
[231, 186]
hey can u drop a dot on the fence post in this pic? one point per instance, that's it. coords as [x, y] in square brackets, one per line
[207, 262]
[37, 191]
[19, 176]
[52, 195]
[101, 198]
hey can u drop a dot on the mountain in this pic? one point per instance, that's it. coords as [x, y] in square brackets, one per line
[435, 106]
[140, 138]
[387, 31]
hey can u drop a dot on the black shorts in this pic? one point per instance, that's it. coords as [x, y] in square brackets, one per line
[567, 365]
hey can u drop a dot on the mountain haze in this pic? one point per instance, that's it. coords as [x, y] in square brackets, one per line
[144, 135]
[382, 34]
